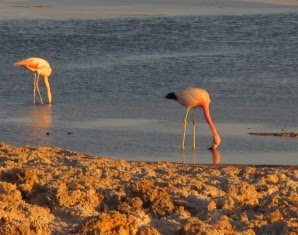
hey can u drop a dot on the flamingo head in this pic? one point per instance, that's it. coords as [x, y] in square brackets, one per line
[171, 96]
[216, 142]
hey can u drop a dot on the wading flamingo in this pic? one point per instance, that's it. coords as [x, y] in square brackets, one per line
[192, 98]
[39, 67]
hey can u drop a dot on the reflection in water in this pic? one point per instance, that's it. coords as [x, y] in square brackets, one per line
[183, 155]
[41, 120]
[215, 154]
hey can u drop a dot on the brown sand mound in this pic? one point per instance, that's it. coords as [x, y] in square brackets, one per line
[53, 191]
[279, 134]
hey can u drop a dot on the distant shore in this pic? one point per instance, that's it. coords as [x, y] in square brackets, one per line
[91, 9]
[46, 190]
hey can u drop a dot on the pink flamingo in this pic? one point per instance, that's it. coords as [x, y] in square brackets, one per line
[192, 98]
[39, 67]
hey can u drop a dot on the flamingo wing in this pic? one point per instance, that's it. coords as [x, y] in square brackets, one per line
[193, 97]
[34, 64]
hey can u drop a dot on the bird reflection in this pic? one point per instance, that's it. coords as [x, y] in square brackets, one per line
[216, 157]
[41, 120]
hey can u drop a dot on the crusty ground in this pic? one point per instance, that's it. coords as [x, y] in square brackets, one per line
[46, 190]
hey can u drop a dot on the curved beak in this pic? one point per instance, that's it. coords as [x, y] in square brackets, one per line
[214, 146]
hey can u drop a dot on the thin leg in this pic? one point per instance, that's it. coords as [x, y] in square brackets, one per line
[34, 88]
[184, 128]
[194, 129]
[38, 88]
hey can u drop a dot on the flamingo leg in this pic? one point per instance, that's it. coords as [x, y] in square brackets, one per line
[194, 129]
[184, 129]
[38, 88]
[34, 88]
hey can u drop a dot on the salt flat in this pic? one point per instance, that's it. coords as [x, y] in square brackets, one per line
[92, 9]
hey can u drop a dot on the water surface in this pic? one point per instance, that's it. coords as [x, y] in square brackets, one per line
[110, 77]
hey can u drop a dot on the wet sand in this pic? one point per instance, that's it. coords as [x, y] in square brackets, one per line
[278, 134]
[94, 9]
[46, 190]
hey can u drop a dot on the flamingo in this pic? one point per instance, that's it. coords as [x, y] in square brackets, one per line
[39, 67]
[192, 98]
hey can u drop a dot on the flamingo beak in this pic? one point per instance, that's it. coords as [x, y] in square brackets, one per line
[171, 96]
[214, 146]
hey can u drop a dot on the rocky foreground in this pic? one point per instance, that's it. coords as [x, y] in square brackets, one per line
[53, 191]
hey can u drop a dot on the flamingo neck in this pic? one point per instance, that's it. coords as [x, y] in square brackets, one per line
[210, 123]
[47, 84]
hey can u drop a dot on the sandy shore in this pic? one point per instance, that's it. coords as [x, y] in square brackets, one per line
[94, 9]
[47, 190]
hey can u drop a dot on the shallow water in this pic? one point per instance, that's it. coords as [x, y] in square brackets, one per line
[111, 75]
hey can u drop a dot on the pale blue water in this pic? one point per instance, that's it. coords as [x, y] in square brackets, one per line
[110, 77]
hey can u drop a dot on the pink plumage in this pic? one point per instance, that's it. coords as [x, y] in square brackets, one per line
[39, 67]
[192, 98]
